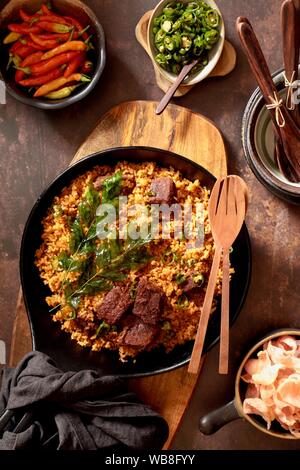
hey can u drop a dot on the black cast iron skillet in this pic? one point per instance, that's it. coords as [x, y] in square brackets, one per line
[47, 336]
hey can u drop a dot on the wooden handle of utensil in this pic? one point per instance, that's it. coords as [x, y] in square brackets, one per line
[263, 76]
[290, 39]
[257, 63]
[255, 54]
[205, 313]
[289, 35]
[224, 339]
[290, 133]
[256, 59]
[279, 155]
[297, 7]
[171, 91]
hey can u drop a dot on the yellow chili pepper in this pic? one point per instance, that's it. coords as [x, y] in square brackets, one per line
[66, 47]
[11, 37]
[62, 93]
[60, 82]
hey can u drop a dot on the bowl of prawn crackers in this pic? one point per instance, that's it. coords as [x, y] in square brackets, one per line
[267, 388]
[52, 54]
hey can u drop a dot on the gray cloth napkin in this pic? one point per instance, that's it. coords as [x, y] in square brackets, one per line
[74, 410]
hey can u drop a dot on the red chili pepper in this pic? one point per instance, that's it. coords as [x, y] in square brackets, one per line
[32, 59]
[48, 36]
[27, 18]
[24, 51]
[42, 79]
[87, 67]
[54, 27]
[23, 28]
[15, 46]
[47, 11]
[36, 46]
[45, 44]
[54, 19]
[74, 64]
[46, 65]
[77, 25]
[60, 37]
[19, 75]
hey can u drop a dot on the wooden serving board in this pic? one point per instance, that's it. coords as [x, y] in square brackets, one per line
[225, 65]
[185, 133]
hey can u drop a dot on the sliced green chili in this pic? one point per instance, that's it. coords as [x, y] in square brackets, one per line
[210, 38]
[180, 278]
[183, 301]
[184, 32]
[212, 18]
[102, 327]
[199, 279]
[160, 36]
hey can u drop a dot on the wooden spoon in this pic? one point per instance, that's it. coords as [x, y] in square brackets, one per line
[290, 36]
[290, 133]
[172, 90]
[227, 207]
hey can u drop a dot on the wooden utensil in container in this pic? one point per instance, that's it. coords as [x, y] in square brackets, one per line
[284, 125]
[227, 209]
[290, 15]
[172, 90]
[279, 155]
[290, 38]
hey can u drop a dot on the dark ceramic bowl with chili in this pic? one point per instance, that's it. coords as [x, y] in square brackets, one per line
[80, 12]
[258, 143]
[47, 335]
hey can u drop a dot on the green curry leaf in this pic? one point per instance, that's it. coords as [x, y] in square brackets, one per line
[102, 328]
[76, 236]
[88, 206]
[68, 263]
[111, 187]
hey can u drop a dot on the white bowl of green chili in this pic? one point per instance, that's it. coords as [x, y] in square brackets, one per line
[179, 32]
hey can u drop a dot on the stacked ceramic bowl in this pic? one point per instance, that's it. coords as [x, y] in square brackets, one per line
[258, 143]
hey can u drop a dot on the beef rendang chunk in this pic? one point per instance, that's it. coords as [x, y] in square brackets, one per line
[140, 334]
[114, 305]
[163, 190]
[148, 302]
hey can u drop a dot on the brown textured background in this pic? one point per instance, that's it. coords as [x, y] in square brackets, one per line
[36, 145]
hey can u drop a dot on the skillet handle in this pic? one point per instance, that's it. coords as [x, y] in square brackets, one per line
[215, 420]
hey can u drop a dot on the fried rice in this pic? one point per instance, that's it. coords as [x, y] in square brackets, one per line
[180, 314]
